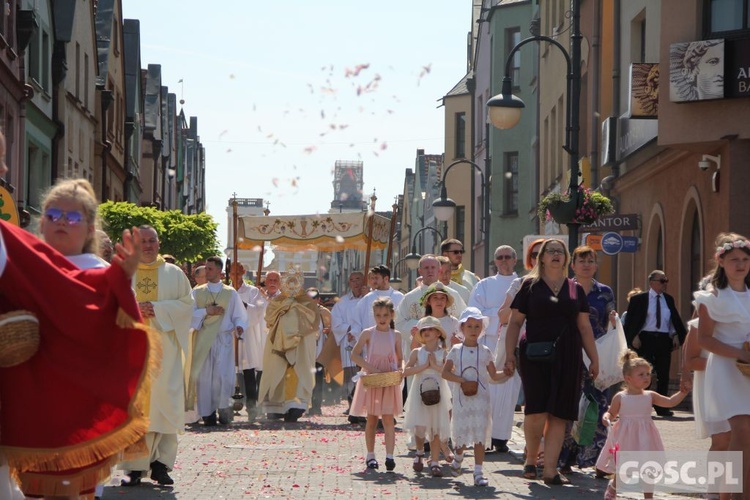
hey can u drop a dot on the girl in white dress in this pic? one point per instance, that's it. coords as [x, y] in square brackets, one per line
[436, 300]
[724, 326]
[472, 412]
[428, 421]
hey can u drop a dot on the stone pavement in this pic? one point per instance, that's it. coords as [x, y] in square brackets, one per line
[323, 457]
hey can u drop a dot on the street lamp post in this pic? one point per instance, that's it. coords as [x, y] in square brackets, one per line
[505, 108]
[444, 207]
[412, 259]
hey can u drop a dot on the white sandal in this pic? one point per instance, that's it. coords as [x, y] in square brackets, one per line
[480, 480]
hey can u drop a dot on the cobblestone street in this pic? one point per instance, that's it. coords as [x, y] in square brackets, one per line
[323, 457]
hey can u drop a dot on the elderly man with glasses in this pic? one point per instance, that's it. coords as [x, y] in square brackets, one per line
[653, 323]
[488, 296]
[454, 250]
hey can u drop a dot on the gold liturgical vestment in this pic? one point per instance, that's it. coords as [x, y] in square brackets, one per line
[289, 357]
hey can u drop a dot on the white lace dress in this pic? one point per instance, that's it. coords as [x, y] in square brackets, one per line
[435, 418]
[472, 415]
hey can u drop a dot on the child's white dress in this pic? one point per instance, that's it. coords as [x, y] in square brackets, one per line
[472, 415]
[452, 329]
[726, 389]
[703, 428]
[435, 418]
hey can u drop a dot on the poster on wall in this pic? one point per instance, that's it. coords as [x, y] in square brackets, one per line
[696, 71]
[738, 68]
[644, 90]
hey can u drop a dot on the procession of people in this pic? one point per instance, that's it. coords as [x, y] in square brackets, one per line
[458, 356]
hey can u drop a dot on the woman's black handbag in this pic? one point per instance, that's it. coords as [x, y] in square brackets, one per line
[541, 351]
[545, 352]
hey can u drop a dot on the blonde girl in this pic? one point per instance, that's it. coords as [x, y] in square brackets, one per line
[436, 300]
[724, 323]
[428, 421]
[69, 222]
[635, 430]
[469, 364]
[383, 354]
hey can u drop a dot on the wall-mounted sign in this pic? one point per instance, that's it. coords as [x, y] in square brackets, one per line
[629, 244]
[594, 241]
[696, 70]
[614, 222]
[644, 90]
[633, 134]
[611, 243]
[737, 72]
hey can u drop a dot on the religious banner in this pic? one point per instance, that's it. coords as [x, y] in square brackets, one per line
[323, 232]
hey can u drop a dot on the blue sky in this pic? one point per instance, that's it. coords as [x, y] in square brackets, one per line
[268, 82]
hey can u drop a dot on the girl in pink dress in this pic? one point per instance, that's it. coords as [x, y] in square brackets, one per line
[634, 431]
[383, 354]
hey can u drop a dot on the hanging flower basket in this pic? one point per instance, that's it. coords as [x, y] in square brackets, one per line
[561, 208]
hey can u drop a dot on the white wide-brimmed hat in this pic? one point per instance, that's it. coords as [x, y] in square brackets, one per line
[474, 313]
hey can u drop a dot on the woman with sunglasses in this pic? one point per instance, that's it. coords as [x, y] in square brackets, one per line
[602, 313]
[69, 222]
[556, 313]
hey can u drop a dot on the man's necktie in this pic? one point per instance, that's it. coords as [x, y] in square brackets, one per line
[658, 311]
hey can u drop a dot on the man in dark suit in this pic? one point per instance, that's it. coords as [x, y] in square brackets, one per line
[654, 328]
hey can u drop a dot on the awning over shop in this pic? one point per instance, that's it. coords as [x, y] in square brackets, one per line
[323, 232]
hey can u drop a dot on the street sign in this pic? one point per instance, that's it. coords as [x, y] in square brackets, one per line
[614, 222]
[612, 243]
[594, 241]
[629, 244]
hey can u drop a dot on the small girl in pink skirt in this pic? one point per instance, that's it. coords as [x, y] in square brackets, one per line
[383, 354]
[635, 430]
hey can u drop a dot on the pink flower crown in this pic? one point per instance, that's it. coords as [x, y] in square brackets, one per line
[729, 246]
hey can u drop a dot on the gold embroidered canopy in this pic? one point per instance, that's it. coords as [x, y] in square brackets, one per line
[322, 232]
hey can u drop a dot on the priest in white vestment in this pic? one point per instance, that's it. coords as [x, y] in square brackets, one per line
[342, 318]
[218, 316]
[164, 296]
[488, 296]
[410, 311]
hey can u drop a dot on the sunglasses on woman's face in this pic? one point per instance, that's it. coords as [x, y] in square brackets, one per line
[73, 217]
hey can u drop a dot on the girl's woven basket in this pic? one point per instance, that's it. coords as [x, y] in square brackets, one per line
[19, 337]
[470, 387]
[385, 379]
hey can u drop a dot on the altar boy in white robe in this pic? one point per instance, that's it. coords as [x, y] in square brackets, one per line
[488, 296]
[250, 345]
[218, 315]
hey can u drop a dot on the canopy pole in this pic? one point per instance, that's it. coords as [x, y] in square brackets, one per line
[393, 231]
[262, 251]
[235, 225]
[371, 215]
